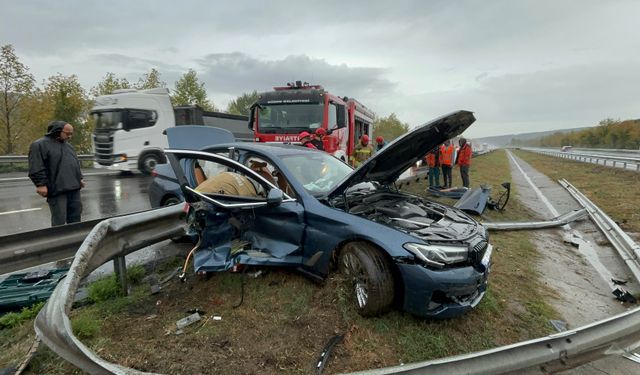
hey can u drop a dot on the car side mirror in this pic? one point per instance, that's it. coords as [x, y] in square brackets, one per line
[274, 197]
[341, 117]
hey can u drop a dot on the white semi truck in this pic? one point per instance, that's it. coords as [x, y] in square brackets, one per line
[130, 124]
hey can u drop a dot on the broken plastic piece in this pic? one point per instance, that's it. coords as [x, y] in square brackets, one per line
[559, 325]
[619, 282]
[624, 296]
[326, 352]
[217, 318]
[474, 201]
[184, 322]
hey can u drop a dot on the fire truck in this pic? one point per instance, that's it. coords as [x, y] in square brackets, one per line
[280, 115]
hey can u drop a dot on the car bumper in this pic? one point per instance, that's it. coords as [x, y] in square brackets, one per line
[443, 294]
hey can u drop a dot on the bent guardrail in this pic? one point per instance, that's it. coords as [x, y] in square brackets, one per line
[25, 158]
[119, 236]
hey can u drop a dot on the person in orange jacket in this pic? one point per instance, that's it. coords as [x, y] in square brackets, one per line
[446, 161]
[433, 161]
[464, 161]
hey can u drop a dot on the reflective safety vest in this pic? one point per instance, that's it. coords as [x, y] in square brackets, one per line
[431, 160]
[361, 153]
[464, 155]
[446, 155]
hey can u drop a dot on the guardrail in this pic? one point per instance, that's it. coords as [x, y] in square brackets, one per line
[626, 163]
[25, 158]
[116, 237]
[628, 250]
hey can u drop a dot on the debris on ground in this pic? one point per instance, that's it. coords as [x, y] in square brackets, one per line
[559, 325]
[624, 296]
[619, 282]
[185, 322]
[326, 352]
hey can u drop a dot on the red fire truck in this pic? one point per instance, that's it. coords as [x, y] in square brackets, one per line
[280, 115]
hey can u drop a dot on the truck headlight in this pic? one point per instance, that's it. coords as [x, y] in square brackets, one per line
[438, 255]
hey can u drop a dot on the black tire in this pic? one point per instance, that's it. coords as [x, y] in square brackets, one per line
[369, 278]
[170, 201]
[148, 162]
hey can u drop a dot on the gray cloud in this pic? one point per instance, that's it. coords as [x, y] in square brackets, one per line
[235, 73]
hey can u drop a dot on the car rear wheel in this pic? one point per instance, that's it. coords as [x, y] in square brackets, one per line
[369, 278]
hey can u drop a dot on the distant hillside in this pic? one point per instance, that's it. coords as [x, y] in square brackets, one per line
[504, 140]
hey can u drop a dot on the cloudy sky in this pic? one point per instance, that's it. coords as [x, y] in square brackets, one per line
[521, 66]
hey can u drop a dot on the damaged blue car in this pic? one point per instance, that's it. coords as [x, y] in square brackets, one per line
[261, 204]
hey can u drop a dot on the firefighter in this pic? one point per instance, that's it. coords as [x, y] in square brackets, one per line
[318, 140]
[361, 152]
[230, 183]
[433, 161]
[464, 161]
[446, 161]
[305, 140]
[380, 143]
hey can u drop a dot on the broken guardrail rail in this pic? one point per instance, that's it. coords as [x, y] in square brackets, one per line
[628, 250]
[119, 236]
[555, 222]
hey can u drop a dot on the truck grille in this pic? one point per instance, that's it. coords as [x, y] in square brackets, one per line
[103, 148]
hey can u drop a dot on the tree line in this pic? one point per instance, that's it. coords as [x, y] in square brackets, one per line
[609, 133]
[27, 107]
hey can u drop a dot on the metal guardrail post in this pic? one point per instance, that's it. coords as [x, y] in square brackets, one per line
[120, 268]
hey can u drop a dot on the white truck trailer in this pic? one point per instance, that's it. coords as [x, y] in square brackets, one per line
[130, 124]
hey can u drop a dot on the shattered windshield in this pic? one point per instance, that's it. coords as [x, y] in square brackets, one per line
[108, 120]
[290, 118]
[317, 171]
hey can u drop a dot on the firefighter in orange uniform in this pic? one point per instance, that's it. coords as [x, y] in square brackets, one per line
[446, 161]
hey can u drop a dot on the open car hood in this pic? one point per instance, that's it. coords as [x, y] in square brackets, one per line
[390, 162]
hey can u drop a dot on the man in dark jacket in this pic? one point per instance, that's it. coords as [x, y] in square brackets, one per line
[54, 169]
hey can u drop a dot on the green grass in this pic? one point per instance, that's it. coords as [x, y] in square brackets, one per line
[12, 319]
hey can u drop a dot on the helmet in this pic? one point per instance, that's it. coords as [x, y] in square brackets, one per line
[379, 139]
[321, 131]
[303, 135]
[364, 139]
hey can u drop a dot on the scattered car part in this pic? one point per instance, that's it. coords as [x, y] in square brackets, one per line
[326, 352]
[474, 201]
[619, 282]
[624, 296]
[628, 250]
[502, 200]
[555, 222]
[21, 290]
[453, 193]
[188, 320]
[632, 356]
[559, 325]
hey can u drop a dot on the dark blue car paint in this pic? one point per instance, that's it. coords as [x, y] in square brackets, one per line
[307, 232]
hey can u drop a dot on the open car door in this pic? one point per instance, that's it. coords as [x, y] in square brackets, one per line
[240, 217]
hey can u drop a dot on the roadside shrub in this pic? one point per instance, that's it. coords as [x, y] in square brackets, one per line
[135, 274]
[12, 319]
[104, 289]
[85, 326]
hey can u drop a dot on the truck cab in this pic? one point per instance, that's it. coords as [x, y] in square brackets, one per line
[128, 129]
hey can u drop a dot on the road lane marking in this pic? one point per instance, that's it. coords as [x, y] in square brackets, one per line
[19, 211]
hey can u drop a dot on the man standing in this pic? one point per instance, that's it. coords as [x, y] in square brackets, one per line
[54, 169]
[361, 152]
[433, 161]
[464, 161]
[380, 143]
[446, 161]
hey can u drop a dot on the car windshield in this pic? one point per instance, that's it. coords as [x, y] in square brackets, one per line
[318, 172]
[290, 118]
[106, 120]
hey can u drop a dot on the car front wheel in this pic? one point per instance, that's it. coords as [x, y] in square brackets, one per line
[369, 278]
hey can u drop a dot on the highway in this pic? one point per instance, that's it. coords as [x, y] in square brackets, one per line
[21, 209]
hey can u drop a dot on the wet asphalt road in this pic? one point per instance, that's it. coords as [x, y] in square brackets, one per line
[105, 195]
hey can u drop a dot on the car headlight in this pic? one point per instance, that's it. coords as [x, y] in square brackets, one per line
[438, 255]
